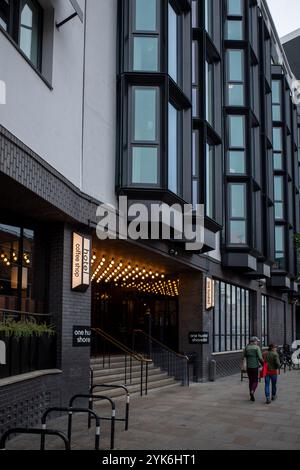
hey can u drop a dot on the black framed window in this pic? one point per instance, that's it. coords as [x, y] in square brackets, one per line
[174, 43]
[196, 168]
[237, 213]
[195, 78]
[4, 14]
[23, 21]
[280, 254]
[210, 181]
[195, 14]
[276, 100]
[236, 77]
[236, 155]
[145, 35]
[209, 18]
[209, 68]
[175, 133]
[278, 148]
[264, 321]
[279, 197]
[145, 139]
[235, 20]
[231, 318]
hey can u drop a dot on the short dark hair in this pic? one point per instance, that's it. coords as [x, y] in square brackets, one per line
[272, 346]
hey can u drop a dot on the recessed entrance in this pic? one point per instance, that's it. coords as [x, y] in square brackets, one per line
[134, 288]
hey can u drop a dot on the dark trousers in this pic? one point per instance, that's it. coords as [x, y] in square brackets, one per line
[253, 379]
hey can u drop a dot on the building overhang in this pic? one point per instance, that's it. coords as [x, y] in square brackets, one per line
[242, 261]
[280, 282]
[263, 271]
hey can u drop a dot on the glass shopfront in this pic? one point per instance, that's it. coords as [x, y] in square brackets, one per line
[231, 317]
[18, 289]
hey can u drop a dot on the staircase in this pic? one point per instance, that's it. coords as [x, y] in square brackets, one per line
[115, 375]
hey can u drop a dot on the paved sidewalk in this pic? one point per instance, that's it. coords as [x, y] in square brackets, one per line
[205, 416]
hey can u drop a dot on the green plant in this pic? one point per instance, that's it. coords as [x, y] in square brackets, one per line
[25, 328]
[297, 241]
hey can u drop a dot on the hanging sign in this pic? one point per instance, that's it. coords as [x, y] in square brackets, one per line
[210, 293]
[81, 262]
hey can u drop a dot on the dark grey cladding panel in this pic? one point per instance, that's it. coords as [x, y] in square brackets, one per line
[282, 282]
[240, 260]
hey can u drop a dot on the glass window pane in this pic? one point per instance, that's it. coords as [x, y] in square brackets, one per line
[210, 93]
[277, 139]
[173, 149]
[29, 30]
[173, 44]
[144, 165]
[235, 7]
[237, 162]
[237, 195]
[276, 112]
[145, 114]
[236, 131]
[145, 54]
[238, 232]
[278, 161]
[236, 95]
[235, 30]
[145, 11]
[235, 66]
[209, 17]
[210, 157]
[278, 188]
[276, 91]
[279, 238]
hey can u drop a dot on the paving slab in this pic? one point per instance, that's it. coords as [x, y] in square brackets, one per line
[217, 416]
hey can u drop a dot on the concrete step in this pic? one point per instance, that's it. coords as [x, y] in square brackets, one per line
[98, 372]
[135, 389]
[113, 359]
[119, 365]
[120, 378]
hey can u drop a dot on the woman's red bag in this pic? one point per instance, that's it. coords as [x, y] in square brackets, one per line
[264, 372]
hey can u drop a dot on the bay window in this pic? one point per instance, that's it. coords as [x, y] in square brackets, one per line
[175, 150]
[236, 77]
[237, 145]
[146, 36]
[237, 214]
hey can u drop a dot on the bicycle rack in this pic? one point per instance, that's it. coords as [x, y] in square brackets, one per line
[42, 432]
[113, 413]
[70, 411]
[126, 419]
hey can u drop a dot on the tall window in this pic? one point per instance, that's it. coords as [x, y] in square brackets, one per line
[146, 36]
[238, 214]
[231, 318]
[277, 148]
[279, 197]
[145, 136]
[209, 19]
[195, 78]
[196, 172]
[175, 150]
[276, 100]
[174, 44]
[236, 145]
[280, 246]
[23, 21]
[236, 77]
[235, 23]
[264, 321]
[210, 186]
[209, 93]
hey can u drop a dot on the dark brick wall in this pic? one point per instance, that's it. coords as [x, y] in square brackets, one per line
[22, 404]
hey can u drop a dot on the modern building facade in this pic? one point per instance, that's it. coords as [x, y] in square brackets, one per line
[175, 102]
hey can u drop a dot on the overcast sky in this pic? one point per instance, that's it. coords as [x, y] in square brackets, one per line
[286, 15]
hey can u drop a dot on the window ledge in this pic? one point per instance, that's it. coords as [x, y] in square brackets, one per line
[15, 45]
[29, 376]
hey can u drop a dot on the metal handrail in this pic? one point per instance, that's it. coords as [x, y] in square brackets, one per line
[175, 364]
[132, 355]
[118, 344]
[154, 340]
[20, 312]
[120, 387]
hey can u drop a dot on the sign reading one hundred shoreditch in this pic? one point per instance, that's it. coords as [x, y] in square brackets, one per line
[81, 259]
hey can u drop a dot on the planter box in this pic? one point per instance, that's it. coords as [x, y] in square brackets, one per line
[25, 355]
[46, 352]
[14, 356]
[4, 369]
[33, 354]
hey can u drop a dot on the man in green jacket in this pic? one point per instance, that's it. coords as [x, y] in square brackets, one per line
[271, 358]
[253, 356]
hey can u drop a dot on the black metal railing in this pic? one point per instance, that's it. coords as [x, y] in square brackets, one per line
[111, 346]
[34, 431]
[19, 315]
[176, 365]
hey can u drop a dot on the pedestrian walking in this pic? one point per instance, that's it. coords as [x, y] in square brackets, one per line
[253, 357]
[270, 372]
